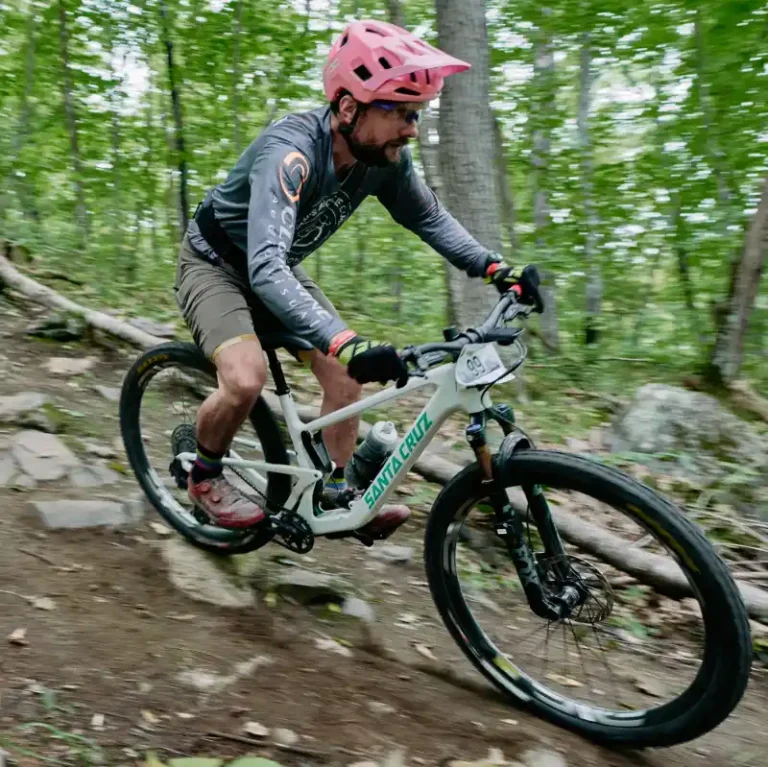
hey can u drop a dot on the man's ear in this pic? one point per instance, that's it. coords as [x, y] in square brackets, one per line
[347, 109]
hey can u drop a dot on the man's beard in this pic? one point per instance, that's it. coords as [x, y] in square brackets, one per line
[370, 154]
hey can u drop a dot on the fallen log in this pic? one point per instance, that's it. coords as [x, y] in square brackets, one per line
[744, 396]
[44, 295]
[659, 572]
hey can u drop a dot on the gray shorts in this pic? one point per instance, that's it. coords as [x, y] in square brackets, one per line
[219, 306]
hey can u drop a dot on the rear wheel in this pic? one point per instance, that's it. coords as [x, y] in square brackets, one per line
[628, 664]
[161, 395]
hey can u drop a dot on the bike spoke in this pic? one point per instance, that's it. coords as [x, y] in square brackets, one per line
[579, 656]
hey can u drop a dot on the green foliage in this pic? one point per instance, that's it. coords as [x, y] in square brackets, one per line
[677, 123]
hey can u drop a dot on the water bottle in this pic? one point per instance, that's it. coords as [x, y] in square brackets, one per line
[371, 455]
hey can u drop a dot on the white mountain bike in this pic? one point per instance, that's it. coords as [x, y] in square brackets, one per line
[521, 547]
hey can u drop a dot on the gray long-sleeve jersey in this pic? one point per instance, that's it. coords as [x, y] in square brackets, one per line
[282, 200]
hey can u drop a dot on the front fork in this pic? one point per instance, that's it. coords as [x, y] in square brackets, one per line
[510, 524]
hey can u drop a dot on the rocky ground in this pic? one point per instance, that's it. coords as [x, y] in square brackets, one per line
[122, 641]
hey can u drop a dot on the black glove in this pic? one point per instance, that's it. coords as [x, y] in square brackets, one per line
[372, 361]
[529, 283]
[506, 277]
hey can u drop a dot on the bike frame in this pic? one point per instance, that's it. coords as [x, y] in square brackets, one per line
[449, 396]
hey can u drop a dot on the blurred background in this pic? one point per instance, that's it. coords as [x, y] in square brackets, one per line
[620, 146]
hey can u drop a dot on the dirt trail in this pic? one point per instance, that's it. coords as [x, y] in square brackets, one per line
[123, 643]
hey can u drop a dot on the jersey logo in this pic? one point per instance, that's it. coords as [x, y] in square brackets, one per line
[294, 171]
[321, 221]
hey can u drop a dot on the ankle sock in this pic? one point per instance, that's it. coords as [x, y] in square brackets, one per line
[336, 481]
[207, 465]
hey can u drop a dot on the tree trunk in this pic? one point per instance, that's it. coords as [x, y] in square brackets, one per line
[716, 157]
[728, 351]
[177, 121]
[70, 116]
[396, 13]
[469, 190]
[542, 107]
[594, 286]
[236, 29]
[428, 153]
[151, 202]
[507, 211]
[25, 115]
[683, 269]
[117, 215]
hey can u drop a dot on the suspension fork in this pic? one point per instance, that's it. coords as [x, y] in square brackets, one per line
[510, 524]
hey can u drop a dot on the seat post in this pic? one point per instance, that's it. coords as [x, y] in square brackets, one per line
[281, 385]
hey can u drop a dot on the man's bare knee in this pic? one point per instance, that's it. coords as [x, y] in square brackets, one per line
[242, 373]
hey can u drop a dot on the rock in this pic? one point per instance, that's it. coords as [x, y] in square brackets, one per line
[758, 630]
[59, 515]
[24, 482]
[664, 419]
[57, 328]
[137, 505]
[702, 443]
[284, 737]
[25, 409]
[100, 451]
[43, 456]
[204, 681]
[160, 329]
[495, 757]
[69, 366]
[255, 730]
[377, 707]
[542, 758]
[208, 682]
[203, 577]
[651, 685]
[308, 587]
[577, 445]
[108, 392]
[331, 645]
[7, 469]
[358, 608]
[400, 555]
[92, 475]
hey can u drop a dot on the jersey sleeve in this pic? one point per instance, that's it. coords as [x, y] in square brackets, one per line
[280, 175]
[414, 205]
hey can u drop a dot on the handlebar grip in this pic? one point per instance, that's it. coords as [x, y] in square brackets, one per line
[501, 336]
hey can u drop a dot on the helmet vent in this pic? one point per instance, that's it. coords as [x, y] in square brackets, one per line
[375, 31]
[344, 41]
[363, 72]
[384, 63]
[407, 92]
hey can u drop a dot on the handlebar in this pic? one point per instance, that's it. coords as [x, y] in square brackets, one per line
[507, 309]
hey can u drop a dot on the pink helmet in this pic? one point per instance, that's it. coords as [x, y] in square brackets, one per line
[376, 60]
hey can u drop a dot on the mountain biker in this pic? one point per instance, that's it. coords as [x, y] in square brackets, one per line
[239, 275]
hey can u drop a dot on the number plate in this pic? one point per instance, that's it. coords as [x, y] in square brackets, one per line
[478, 365]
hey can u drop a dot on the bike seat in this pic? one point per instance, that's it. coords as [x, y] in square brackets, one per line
[281, 340]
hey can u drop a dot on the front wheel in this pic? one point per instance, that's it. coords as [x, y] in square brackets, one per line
[628, 664]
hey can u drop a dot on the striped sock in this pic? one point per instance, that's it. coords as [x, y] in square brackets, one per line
[207, 465]
[337, 481]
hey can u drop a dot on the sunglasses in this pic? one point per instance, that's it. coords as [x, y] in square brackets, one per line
[410, 116]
